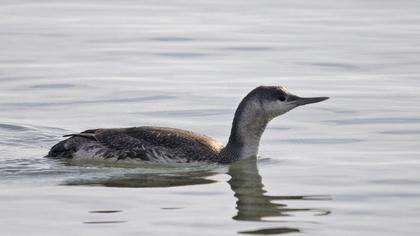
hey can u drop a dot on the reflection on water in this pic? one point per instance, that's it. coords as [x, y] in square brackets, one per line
[253, 204]
[283, 230]
[106, 211]
[148, 180]
[105, 222]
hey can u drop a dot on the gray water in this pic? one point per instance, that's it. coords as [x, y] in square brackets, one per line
[347, 166]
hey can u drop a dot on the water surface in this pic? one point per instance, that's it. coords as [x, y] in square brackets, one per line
[347, 166]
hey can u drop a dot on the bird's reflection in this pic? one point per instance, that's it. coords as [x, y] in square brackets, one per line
[252, 202]
[147, 180]
[254, 205]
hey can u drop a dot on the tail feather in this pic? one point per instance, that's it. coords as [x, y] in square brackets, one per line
[66, 148]
[84, 135]
[60, 150]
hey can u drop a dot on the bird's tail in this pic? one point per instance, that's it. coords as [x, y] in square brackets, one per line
[61, 150]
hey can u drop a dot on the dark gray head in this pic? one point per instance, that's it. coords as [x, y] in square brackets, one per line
[272, 101]
[253, 114]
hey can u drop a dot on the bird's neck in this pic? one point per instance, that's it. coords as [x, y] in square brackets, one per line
[247, 128]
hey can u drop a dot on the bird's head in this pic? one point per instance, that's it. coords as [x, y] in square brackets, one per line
[272, 101]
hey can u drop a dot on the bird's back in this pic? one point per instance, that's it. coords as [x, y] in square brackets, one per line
[139, 143]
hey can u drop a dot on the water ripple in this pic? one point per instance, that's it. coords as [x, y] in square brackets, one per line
[115, 100]
[386, 120]
[320, 140]
[172, 39]
[271, 231]
[10, 127]
[181, 54]
[188, 113]
[400, 132]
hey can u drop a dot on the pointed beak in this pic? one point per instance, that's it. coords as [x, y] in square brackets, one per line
[299, 101]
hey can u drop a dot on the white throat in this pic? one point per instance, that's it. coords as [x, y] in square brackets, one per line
[247, 128]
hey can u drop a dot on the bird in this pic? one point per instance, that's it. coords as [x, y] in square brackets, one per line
[171, 145]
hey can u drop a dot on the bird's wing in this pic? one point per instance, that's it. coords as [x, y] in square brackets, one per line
[146, 143]
[135, 143]
[90, 134]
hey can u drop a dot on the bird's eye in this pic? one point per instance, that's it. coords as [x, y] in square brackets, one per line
[282, 97]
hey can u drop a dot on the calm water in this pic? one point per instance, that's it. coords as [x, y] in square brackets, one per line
[347, 166]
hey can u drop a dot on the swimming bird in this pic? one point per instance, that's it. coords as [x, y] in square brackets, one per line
[160, 144]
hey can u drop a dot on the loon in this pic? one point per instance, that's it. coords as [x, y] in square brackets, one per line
[160, 144]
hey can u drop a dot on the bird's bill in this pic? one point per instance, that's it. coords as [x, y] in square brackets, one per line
[299, 101]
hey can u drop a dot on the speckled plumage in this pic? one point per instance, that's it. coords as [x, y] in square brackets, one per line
[138, 143]
[157, 144]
